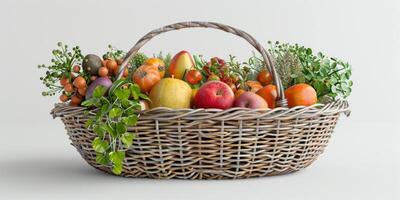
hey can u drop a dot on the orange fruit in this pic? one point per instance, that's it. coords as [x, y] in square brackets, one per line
[269, 94]
[79, 82]
[264, 77]
[158, 63]
[75, 100]
[254, 86]
[68, 87]
[301, 95]
[63, 98]
[82, 91]
[112, 65]
[103, 71]
[63, 81]
[76, 69]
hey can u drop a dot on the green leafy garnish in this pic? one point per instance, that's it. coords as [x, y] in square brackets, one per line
[116, 111]
[330, 77]
[62, 66]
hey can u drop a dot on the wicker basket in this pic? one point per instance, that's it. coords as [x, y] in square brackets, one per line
[212, 143]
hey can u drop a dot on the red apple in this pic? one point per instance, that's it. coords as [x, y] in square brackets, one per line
[181, 63]
[214, 94]
[250, 100]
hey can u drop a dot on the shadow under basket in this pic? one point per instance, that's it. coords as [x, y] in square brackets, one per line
[212, 143]
[215, 144]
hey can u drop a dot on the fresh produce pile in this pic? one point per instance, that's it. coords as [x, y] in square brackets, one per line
[183, 82]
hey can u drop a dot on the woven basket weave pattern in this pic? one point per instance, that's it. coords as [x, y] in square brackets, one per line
[204, 144]
[211, 143]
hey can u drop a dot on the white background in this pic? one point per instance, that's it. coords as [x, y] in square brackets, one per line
[361, 161]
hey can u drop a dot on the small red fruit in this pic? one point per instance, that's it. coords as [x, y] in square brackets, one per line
[214, 94]
[250, 100]
[264, 77]
[269, 94]
[79, 82]
[193, 76]
[112, 65]
[63, 98]
[63, 81]
[301, 95]
[68, 87]
[76, 69]
[82, 91]
[103, 71]
[75, 100]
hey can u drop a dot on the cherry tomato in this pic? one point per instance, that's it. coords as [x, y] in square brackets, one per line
[264, 77]
[112, 65]
[63, 98]
[92, 78]
[75, 100]
[63, 81]
[76, 69]
[68, 87]
[193, 76]
[103, 71]
[82, 91]
[79, 82]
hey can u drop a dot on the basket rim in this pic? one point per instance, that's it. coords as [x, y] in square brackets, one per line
[334, 107]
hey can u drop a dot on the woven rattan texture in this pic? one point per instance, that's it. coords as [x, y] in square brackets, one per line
[215, 144]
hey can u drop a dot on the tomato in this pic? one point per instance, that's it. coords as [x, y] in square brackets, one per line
[92, 78]
[213, 77]
[75, 100]
[63, 81]
[157, 63]
[301, 95]
[112, 65]
[264, 77]
[63, 98]
[193, 76]
[269, 94]
[79, 82]
[68, 87]
[146, 76]
[82, 91]
[253, 86]
[103, 71]
[76, 69]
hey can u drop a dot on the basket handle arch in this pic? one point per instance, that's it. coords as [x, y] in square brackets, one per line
[269, 64]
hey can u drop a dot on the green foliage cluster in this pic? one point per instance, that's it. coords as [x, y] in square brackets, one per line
[115, 112]
[61, 66]
[330, 77]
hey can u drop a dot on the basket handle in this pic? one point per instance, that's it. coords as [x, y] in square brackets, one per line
[281, 101]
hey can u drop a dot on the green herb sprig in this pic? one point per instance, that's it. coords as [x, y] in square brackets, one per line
[61, 66]
[116, 111]
[330, 77]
